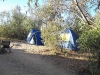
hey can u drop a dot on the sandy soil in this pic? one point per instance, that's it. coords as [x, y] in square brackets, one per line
[27, 59]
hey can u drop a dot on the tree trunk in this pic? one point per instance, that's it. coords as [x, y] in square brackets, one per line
[99, 59]
[76, 2]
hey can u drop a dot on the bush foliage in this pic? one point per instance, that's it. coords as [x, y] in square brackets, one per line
[17, 25]
[89, 42]
[50, 35]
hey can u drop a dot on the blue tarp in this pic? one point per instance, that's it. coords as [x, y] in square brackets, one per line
[70, 38]
[34, 37]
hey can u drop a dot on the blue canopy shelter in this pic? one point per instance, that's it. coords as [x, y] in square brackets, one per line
[68, 39]
[34, 37]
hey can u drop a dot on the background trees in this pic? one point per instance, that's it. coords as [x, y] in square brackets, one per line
[59, 14]
[15, 24]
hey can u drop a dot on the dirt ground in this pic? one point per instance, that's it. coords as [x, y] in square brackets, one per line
[27, 59]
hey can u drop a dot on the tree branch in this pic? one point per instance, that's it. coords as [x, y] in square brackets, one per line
[76, 2]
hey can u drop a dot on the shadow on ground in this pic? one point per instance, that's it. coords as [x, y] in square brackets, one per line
[76, 65]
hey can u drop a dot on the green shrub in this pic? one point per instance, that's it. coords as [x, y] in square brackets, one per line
[90, 42]
[50, 35]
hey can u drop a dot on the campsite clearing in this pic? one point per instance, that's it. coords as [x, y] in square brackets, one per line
[27, 59]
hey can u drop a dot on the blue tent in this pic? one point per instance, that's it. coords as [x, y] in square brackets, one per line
[34, 37]
[68, 39]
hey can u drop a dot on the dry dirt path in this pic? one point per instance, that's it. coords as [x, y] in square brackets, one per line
[25, 60]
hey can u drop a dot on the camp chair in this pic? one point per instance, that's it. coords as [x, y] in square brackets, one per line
[5, 48]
